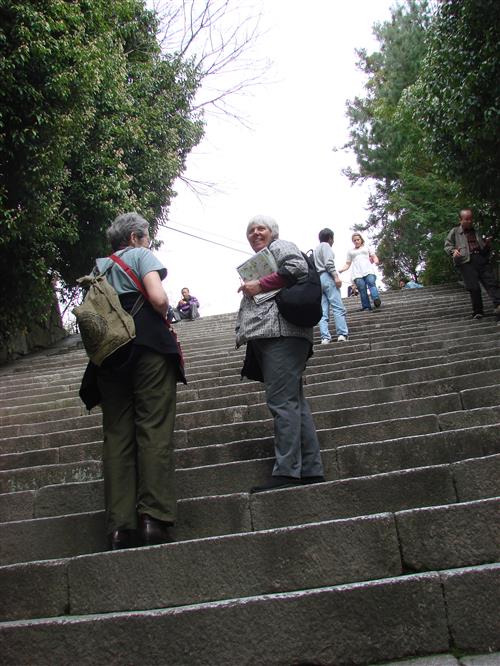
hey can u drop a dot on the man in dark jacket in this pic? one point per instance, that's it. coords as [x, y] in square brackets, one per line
[470, 254]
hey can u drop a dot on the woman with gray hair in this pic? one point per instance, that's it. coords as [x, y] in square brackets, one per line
[277, 353]
[136, 387]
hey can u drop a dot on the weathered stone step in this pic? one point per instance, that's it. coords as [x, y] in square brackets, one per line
[401, 453]
[324, 419]
[424, 368]
[51, 439]
[31, 410]
[31, 402]
[30, 478]
[420, 450]
[423, 614]
[340, 351]
[475, 390]
[41, 392]
[68, 411]
[345, 551]
[481, 444]
[393, 360]
[65, 536]
[44, 427]
[447, 659]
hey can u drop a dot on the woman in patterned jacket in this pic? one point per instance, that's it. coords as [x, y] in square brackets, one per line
[277, 353]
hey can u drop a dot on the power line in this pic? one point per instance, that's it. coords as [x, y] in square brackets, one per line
[212, 233]
[234, 249]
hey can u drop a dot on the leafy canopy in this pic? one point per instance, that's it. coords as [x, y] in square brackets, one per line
[93, 121]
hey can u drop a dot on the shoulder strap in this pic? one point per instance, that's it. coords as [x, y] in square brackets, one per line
[139, 286]
[118, 260]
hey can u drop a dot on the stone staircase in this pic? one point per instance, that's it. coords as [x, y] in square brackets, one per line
[395, 556]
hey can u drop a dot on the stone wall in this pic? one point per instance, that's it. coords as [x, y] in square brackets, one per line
[39, 336]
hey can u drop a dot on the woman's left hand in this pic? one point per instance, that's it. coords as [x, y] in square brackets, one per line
[250, 288]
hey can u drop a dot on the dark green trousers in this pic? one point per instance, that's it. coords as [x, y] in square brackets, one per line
[138, 454]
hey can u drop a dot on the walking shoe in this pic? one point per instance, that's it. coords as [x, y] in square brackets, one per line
[377, 302]
[120, 539]
[306, 480]
[154, 531]
[277, 482]
[497, 310]
[342, 338]
[477, 315]
[324, 341]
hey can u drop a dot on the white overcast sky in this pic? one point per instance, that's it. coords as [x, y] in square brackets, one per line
[284, 165]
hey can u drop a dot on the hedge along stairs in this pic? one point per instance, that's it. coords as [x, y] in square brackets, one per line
[395, 556]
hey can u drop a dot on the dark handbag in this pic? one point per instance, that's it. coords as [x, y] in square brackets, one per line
[300, 303]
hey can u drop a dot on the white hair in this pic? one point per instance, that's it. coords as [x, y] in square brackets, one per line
[266, 221]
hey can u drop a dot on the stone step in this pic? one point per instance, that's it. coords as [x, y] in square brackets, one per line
[481, 443]
[38, 411]
[54, 380]
[251, 406]
[66, 411]
[438, 447]
[409, 391]
[44, 427]
[58, 536]
[232, 366]
[408, 412]
[348, 550]
[30, 478]
[423, 614]
[393, 359]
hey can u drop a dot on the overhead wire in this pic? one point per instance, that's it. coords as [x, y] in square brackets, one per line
[186, 233]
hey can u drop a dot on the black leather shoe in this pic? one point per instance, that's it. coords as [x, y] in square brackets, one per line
[120, 539]
[275, 483]
[154, 531]
[306, 480]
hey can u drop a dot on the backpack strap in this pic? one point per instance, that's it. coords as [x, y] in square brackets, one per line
[118, 260]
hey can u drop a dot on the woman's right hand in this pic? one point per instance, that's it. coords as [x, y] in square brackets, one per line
[250, 288]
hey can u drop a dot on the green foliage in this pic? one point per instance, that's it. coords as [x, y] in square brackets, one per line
[417, 188]
[458, 94]
[93, 121]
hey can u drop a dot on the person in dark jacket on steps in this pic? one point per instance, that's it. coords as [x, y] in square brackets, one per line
[136, 387]
[470, 254]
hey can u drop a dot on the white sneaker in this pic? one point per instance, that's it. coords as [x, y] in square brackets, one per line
[325, 341]
[342, 338]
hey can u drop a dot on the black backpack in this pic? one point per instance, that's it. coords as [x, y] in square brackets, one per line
[300, 303]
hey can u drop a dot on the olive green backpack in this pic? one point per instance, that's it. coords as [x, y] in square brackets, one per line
[104, 325]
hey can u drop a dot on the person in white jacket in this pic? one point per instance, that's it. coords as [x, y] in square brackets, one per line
[362, 259]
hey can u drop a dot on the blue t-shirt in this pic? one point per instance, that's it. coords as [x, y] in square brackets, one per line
[141, 260]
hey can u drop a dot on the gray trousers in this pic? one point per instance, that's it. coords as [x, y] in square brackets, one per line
[282, 361]
[138, 452]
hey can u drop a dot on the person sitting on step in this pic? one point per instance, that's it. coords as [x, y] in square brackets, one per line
[187, 307]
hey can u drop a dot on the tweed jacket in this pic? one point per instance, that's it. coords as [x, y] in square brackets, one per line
[264, 320]
[456, 239]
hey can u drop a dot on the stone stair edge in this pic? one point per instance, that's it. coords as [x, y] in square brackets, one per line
[225, 353]
[373, 547]
[455, 472]
[429, 602]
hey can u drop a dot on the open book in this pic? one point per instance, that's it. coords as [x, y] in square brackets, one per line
[262, 263]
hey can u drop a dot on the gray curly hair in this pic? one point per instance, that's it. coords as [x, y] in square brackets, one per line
[266, 221]
[128, 223]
